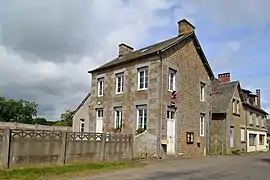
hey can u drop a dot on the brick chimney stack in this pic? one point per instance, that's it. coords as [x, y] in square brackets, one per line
[124, 49]
[258, 93]
[185, 27]
[224, 77]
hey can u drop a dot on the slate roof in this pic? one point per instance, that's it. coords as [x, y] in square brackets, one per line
[222, 96]
[82, 103]
[150, 50]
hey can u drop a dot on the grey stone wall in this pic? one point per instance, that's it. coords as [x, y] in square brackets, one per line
[15, 125]
[145, 146]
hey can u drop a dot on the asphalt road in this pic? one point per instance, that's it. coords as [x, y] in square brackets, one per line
[248, 167]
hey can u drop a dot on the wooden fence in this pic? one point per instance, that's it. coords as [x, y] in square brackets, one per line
[30, 147]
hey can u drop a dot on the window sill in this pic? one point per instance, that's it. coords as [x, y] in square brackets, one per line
[243, 141]
[190, 142]
[119, 93]
[235, 114]
[100, 95]
[143, 89]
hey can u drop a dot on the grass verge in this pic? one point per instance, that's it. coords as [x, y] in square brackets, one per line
[51, 171]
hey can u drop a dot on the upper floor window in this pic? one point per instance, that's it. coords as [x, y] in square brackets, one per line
[142, 116]
[202, 126]
[118, 118]
[202, 91]
[257, 120]
[82, 125]
[119, 83]
[236, 107]
[172, 83]
[143, 78]
[262, 121]
[100, 86]
[251, 118]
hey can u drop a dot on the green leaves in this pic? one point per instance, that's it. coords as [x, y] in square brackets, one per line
[17, 110]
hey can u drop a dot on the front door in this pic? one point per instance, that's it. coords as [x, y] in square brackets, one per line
[99, 122]
[231, 136]
[170, 131]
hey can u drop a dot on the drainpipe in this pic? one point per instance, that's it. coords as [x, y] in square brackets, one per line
[161, 110]
[246, 131]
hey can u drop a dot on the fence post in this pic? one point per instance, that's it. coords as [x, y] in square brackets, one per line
[6, 147]
[63, 150]
[103, 144]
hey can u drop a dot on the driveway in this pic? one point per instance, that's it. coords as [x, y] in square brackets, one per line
[248, 167]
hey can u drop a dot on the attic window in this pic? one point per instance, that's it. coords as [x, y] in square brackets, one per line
[144, 50]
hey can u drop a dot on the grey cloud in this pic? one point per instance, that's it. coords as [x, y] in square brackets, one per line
[49, 30]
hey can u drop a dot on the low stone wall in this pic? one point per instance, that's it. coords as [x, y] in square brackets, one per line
[21, 148]
[145, 146]
[14, 125]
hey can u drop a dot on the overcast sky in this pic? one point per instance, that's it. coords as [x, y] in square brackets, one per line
[47, 46]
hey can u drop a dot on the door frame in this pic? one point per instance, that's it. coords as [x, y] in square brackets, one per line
[171, 119]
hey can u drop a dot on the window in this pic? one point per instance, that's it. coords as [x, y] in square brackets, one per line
[82, 125]
[190, 138]
[171, 83]
[262, 138]
[119, 83]
[202, 88]
[202, 128]
[262, 121]
[252, 139]
[118, 118]
[100, 113]
[251, 118]
[242, 134]
[171, 113]
[257, 120]
[143, 78]
[142, 117]
[100, 86]
[236, 107]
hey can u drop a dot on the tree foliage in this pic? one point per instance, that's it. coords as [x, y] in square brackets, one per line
[66, 118]
[17, 110]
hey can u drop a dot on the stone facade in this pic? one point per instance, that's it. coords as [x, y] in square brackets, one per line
[186, 59]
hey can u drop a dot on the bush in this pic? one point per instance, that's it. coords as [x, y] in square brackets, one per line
[236, 152]
[140, 130]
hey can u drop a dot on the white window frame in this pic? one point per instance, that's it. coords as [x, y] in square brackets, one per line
[202, 124]
[142, 108]
[242, 134]
[238, 107]
[119, 83]
[262, 122]
[171, 113]
[251, 118]
[172, 80]
[145, 81]
[100, 87]
[202, 91]
[118, 110]
[82, 125]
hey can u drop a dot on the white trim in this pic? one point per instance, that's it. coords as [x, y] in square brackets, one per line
[121, 76]
[118, 109]
[243, 134]
[145, 78]
[100, 83]
[202, 91]
[172, 71]
[202, 124]
[144, 115]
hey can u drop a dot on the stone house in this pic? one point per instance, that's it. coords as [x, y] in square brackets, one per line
[228, 122]
[163, 89]
[256, 118]
[238, 122]
[81, 115]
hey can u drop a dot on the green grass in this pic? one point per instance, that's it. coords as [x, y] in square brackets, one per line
[51, 171]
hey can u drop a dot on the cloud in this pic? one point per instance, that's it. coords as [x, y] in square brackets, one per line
[46, 47]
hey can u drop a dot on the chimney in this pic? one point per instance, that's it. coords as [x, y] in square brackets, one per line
[224, 77]
[124, 49]
[185, 27]
[258, 93]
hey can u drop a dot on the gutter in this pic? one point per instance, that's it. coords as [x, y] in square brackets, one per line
[161, 110]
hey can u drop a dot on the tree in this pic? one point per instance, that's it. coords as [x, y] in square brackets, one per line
[66, 118]
[17, 111]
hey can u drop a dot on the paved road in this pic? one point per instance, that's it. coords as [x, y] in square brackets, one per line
[250, 167]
